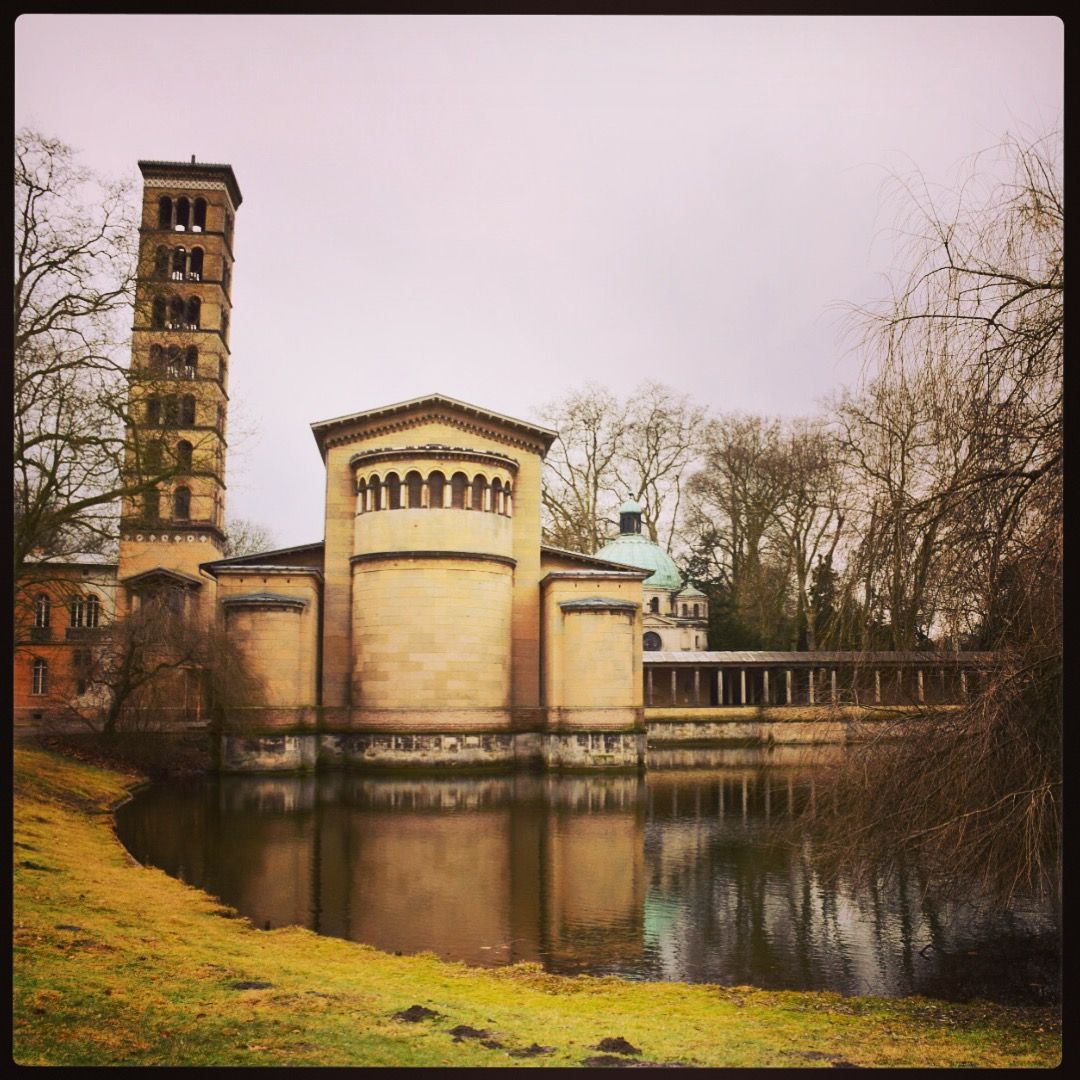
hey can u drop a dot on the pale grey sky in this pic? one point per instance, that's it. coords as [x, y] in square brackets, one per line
[501, 208]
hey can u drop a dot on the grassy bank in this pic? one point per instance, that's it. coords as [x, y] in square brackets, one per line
[118, 964]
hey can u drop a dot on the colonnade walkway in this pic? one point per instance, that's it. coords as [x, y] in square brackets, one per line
[725, 679]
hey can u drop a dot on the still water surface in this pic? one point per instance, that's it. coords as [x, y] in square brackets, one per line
[665, 876]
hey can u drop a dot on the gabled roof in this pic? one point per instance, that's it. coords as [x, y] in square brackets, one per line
[321, 429]
[263, 558]
[168, 577]
[577, 556]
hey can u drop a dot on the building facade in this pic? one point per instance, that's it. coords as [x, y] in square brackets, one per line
[428, 625]
[676, 614]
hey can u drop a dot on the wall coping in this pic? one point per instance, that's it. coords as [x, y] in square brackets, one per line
[380, 556]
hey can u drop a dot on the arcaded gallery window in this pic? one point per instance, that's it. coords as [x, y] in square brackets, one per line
[436, 483]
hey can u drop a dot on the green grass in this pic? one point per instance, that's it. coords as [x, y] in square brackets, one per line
[115, 963]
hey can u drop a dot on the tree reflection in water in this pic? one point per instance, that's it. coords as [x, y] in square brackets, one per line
[672, 875]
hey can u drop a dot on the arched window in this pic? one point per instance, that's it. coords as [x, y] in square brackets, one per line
[161, 262]
[697, 610]
[654, 604]
[42, 609]
[183, 455]
[393, 491]
[436, 482]
[179, 263]
[195, 265]
[157, 360]
[228, 228]
[164, 212]
[478, 485]
[684, 611]
[199, 222]
[171, 410]
[651, 642]
[176, 314]
[152, 506]
[496, 496]
[225, 273]
[191, 362]
[508, 505]
[193, 310]
[173, 367]
[93, 611]
[181, 503]
[224, 325]
[40, 672]
[187, 409]
[153, 411]
[157, 318]
[459, 482]
[183, 210]
[221, 419]
[376, 493]
[221, 369]
[361, 496]
[152, 458]
[414, 485]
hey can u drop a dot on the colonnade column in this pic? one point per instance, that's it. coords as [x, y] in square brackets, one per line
[963, 685]
[832, 686]
[877, 687]
[810, 688]
[697, 686]
[719, 686]
[648, 686]
[765, 686]
[788, 681]
[922, 696]
[742, 686]
[674, 686]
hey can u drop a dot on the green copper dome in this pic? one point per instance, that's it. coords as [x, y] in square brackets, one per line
[634, 549]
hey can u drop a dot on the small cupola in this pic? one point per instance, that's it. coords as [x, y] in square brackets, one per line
[629, 517]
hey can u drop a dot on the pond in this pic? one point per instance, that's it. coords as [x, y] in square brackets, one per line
[668, 875]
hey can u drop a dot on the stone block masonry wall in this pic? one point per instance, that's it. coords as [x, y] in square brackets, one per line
[432, 633]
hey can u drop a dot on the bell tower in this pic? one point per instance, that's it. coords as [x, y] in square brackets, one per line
[179, 374]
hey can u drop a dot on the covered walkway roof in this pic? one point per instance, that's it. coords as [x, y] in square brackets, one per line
[803, 659]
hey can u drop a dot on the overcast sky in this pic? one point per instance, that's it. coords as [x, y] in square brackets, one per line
[502, 208]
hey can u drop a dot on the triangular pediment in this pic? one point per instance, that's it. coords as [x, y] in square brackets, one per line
[438, 407]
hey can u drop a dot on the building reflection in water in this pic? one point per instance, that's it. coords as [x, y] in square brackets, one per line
[663, 876]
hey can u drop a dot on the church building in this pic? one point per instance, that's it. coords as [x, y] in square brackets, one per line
[429, 625]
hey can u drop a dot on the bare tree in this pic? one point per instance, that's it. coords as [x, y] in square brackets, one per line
[160, 664]
[957, 441]
[809, 518]
[734, 500]
[662, 442]
[73, 290]
[608, 449]
[245, 537]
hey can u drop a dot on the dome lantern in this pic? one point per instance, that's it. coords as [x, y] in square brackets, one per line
[630, 517]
